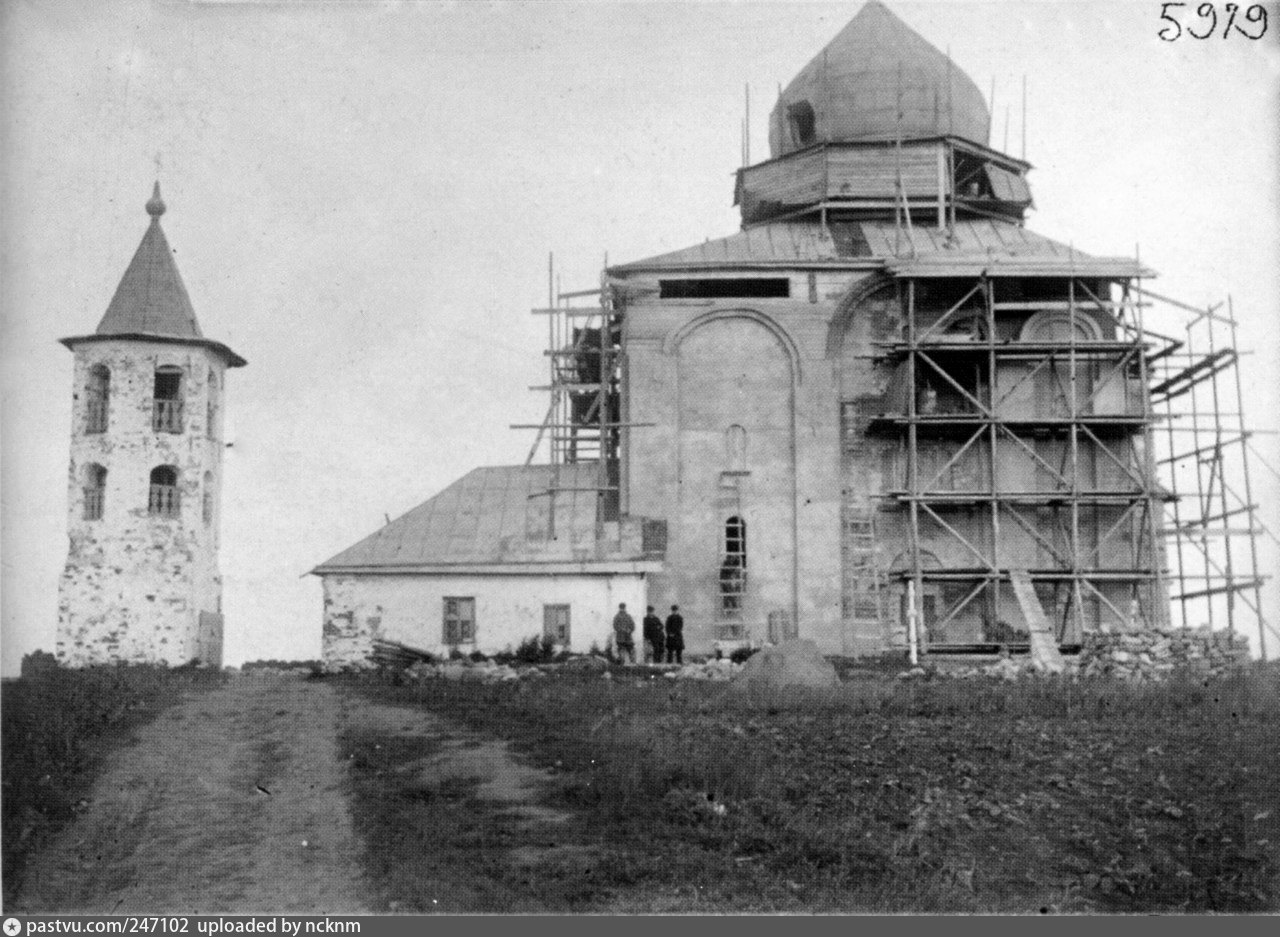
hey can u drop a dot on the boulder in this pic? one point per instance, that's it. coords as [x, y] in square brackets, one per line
[791, 663]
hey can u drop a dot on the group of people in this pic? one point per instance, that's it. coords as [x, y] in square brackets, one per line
[663, 642]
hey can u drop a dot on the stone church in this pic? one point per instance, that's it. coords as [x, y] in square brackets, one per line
[884, 414]
[141, 581]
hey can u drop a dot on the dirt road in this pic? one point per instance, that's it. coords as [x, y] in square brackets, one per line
[231, 802]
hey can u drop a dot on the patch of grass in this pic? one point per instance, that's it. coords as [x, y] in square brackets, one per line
[58, 724]
[884, 795]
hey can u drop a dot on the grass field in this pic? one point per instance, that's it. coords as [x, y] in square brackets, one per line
[1044, 796]
[57, 726]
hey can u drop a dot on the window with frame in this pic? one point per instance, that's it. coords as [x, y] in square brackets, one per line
[166, 407]
[164, 499]
[459, 620]
[555, 623]
[98, 395]
[95, 490]
[211, 406]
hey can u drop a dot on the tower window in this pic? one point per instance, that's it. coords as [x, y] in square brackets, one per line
[803, 123]
[164, 499]
[207, 498]
[166, 412]
[98, 393]
[211, 408]
[95, 490]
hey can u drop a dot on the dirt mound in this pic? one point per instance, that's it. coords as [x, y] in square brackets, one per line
[795, 663]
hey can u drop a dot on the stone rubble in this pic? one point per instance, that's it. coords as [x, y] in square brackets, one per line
[1154, 655]
[715, 669]
[1129, 655]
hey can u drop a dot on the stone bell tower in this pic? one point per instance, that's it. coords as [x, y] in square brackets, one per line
[141, 582]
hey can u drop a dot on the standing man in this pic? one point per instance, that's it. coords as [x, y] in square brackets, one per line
[675, 636]
[624, 627]
[653, 637]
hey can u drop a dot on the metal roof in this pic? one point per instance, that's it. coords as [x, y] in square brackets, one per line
[151, 302]
[877, 79]
[780, 243]
[965, 248]
[494, 516]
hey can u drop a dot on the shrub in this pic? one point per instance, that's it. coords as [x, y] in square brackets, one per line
[477, 657]
[741, 654]
[455, 653]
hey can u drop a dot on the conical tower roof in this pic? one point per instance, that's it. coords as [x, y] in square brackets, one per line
[151, 298]
[876, 68]
[151, 302]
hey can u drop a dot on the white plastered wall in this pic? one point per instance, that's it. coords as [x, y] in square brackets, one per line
[410, 609]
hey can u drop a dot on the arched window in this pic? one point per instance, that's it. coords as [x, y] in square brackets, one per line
[95, 491]
[98, 394]
[207, 498]
[211, 408]
[166, 411]
[164, 499]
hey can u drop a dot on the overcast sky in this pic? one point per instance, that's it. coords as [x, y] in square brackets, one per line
[362, 197]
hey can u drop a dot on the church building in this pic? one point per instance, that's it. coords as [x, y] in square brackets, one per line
[141, 581]
[883, 415]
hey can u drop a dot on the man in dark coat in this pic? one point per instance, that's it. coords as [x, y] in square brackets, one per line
[654, 638]
[675, 636]
[624, 627]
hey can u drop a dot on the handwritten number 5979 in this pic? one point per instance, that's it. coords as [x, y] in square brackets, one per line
[1255, 15]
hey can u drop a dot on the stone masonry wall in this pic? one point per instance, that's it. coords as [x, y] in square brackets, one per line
[134, 584]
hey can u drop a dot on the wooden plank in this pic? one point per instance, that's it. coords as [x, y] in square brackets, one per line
[1045, 655]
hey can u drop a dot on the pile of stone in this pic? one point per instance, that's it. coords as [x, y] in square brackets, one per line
[485, 671]
[1155, 655]
[722, 669]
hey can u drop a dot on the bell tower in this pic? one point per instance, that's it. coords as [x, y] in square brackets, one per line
[141, 581]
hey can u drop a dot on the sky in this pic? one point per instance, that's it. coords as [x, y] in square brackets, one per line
[363, 196]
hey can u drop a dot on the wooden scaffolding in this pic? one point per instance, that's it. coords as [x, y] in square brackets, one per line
[1108, 522]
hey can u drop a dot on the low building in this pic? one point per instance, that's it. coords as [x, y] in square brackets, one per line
[503, 554]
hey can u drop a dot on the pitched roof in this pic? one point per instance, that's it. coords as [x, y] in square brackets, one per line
[494, 515]
[876, 79]
[151, 302]
[970, 244]
[151, 298]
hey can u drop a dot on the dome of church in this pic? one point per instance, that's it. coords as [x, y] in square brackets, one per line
[854, 89]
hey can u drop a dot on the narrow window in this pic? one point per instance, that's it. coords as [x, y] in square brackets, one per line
[803, 123]
[207, 498]
[95, 491]
[459, 620]
[164, 500]
[98, 394]
[726, 288]
[735, 448]
[555, 623]
[211, 408]
[166, 412]
[733, 577]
